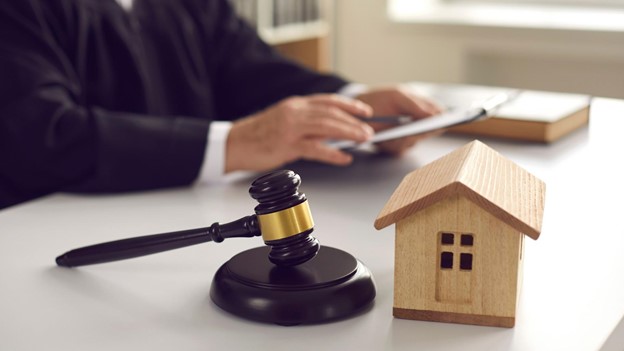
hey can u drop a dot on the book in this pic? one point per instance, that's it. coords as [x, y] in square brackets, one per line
[537, 116]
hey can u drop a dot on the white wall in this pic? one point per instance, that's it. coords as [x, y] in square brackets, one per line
[371, 49]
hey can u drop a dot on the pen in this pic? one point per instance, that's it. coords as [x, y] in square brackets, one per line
[398, 119]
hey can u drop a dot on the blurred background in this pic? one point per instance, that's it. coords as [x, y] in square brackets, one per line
[557, 45]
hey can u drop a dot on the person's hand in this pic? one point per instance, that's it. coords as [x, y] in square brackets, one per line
[296, 128]
[398, 101]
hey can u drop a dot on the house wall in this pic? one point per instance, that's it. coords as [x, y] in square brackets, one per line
[495, 259]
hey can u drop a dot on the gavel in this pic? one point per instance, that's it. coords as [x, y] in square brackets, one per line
[282, 217]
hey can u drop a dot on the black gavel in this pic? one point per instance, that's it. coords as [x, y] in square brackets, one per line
[282, 217]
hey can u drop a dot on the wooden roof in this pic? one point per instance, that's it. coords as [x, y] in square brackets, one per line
[482, 175]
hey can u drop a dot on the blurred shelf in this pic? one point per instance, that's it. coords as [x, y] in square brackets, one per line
[298, 29]
[294, 32]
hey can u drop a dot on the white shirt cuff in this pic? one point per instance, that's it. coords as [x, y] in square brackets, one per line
[213, 167]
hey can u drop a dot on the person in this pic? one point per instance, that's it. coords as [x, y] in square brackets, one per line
[98, 98]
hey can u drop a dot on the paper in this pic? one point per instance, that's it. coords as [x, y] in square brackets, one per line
[433, 123]
[420, 126]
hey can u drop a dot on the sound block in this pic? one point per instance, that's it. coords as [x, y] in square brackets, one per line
[332, 285]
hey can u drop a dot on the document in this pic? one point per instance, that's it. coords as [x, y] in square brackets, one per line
[442, 121]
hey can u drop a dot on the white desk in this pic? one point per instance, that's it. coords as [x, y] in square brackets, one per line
[572, 298]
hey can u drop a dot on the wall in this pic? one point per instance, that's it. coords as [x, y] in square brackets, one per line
[371, 49]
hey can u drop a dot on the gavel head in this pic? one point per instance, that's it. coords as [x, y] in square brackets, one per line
[284, 218]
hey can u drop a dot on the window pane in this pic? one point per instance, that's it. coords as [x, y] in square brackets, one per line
[446, 260]
[466, 240]
[448, 238]
[465, 261]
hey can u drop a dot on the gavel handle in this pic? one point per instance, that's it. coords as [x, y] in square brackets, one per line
[149, 244]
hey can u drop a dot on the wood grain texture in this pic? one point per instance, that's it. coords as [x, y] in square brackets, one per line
[447, 317]
[480, 174]
[490, 288]
[519, 129]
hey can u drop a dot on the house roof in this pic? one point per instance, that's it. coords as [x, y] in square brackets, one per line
[480, 174]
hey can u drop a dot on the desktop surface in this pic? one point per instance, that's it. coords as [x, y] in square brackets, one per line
[571, 295]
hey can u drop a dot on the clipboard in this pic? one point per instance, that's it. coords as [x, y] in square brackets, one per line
[430, 124]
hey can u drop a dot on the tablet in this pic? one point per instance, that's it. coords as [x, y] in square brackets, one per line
[431, 124]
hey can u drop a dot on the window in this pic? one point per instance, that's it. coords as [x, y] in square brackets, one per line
[465, 261]
[448, 238]
[449, 248]
[446, 260]
[593, 3]
[567, 15]
[466, 240]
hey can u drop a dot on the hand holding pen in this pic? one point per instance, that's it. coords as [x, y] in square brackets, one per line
[429, 126]
[395, 105]
[391, 120]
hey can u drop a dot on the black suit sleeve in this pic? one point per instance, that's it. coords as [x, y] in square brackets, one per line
[93, 99]
[51, 139]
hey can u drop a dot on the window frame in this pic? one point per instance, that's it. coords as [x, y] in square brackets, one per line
[565, 3]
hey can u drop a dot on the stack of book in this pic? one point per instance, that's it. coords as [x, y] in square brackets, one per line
[287, 12]
[282, 12]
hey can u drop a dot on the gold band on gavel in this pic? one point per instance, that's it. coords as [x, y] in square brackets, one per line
[285, 223]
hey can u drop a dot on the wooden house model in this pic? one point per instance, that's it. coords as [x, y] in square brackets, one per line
[460, 227]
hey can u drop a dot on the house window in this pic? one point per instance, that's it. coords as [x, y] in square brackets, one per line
[449, 248]
[465, 261]
[446, 260]
[466, 240]
[448, 238]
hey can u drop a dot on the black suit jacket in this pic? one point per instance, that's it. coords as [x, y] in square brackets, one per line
[95, 98]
